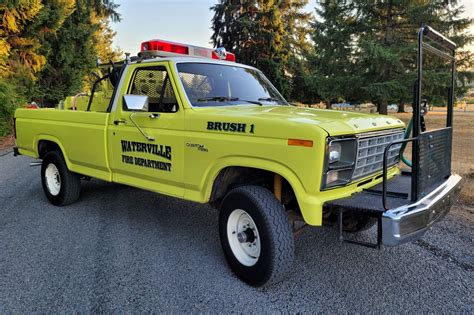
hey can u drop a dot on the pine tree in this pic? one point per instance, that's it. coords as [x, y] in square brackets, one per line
[262, 34]
[103, 40]
[391, 50]
[331, 59]
[366, 50]
[73, 50]
[17, 48]
[387, 45]
[296, 43]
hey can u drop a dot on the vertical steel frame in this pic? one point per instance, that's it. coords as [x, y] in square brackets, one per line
[444, 42]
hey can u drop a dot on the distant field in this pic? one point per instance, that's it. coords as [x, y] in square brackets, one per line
[463, 147]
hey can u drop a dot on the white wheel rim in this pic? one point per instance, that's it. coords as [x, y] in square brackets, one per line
[245, 248]
[53, 180]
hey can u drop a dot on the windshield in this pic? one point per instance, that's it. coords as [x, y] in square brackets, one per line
[208, 84]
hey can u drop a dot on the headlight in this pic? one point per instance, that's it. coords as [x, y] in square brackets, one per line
[340, 160]
[341, 177]
[334, 152]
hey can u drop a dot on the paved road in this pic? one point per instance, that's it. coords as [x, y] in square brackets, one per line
[119, 249]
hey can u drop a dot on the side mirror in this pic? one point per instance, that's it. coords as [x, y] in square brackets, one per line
[135, 103]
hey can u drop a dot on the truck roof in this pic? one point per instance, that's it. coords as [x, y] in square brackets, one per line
[178, 59]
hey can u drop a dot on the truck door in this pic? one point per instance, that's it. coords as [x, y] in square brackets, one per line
[146, 148]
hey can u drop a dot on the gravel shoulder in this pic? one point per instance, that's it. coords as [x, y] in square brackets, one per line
[120, 249]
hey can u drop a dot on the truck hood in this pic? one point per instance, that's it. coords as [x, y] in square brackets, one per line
[332, 121]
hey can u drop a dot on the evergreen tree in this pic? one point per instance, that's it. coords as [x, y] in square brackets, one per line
[47, 47]
[387, 54]
[296, 43]
[383, 45]
[73, 50]
[262, 34]
[18, 49]
[71, 56]
[331, 59]
[366, 50]
[103, 40]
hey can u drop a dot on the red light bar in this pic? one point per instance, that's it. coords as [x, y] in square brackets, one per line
[229, 56]
[165, 46]
[162, 48]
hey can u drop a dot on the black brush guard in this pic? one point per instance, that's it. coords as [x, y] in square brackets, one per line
[408, 204]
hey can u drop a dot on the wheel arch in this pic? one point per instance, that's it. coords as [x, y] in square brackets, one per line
[260, 173]
[47, 143]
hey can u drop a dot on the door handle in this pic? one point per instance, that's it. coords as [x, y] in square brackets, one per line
[154, 116]
[119, 121]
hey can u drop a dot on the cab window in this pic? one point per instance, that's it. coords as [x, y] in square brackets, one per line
[156, 84]
[211, 84]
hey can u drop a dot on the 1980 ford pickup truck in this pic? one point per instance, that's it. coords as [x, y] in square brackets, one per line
[201, 127]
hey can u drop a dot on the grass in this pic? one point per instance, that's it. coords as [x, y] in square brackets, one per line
[463, 147]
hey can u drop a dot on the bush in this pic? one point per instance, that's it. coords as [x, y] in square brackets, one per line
[9, 101]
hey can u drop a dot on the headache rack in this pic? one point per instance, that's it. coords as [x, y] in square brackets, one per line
[151, 49]
[431, 154]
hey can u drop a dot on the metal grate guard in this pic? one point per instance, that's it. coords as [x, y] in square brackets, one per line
[434, 149]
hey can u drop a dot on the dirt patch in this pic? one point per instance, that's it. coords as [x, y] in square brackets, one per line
[6, 143]
[463, 211]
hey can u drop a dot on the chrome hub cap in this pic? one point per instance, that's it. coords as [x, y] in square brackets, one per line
[243, 237]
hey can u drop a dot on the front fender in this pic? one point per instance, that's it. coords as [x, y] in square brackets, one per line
[311, 207]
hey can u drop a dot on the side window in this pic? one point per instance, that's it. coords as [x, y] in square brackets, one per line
[155, 83]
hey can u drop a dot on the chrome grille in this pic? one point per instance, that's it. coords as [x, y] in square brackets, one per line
[370, 150]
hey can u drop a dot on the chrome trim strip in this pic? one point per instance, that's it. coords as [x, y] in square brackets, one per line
[379, 132]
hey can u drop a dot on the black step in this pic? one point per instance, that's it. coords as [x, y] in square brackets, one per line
[370, 200]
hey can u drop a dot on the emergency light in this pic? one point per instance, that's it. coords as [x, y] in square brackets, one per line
[162, 48]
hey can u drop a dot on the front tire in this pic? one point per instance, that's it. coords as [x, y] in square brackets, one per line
[256, 235]
[61, 186]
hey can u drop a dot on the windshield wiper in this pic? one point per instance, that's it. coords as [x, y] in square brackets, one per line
[252, 102]
[226, 99]
[217, 99]
[269, 99]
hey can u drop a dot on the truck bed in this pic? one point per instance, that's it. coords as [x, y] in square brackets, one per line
[80, 134]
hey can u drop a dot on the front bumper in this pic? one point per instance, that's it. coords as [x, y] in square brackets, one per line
[411, 221]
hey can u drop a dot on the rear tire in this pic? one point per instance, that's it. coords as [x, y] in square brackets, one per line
[61, 186]
[256, 235]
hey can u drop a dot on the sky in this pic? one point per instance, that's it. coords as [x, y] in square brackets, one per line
[183, 21]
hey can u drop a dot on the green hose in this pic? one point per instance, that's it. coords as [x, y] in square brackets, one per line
[402, 150]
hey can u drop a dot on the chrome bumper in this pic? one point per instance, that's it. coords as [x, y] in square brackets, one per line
[410, 222]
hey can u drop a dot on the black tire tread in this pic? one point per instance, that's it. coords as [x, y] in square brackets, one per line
[70, 182]
[278, 225]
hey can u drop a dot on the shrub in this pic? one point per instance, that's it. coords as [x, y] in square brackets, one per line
[9, 101]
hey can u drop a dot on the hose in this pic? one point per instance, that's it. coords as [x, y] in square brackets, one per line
[402, 150]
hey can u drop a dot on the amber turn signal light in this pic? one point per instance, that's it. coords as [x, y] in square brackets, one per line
[301, 143]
